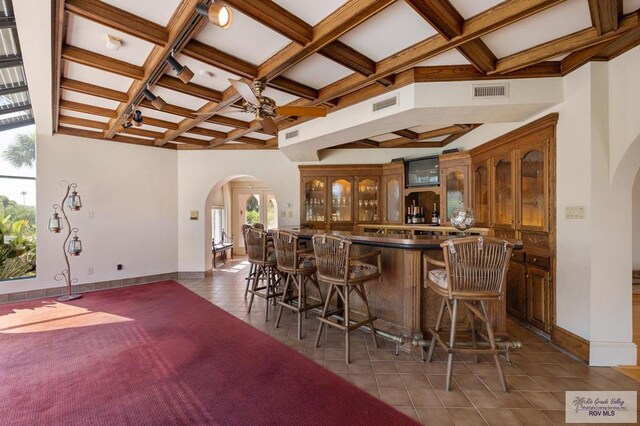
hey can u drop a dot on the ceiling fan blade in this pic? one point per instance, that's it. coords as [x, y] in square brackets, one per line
[269, 125]
[302, 111]
[245, 91]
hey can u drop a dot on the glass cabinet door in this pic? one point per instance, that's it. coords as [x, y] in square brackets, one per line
[367, 207]
[503, 197]
[393, 201]
[532, 190]
[314, 200]
[341, 206]
[481, 194]
[455, 191]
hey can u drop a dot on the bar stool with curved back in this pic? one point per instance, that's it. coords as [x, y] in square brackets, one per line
[345, 274]
[252, 269]
[299, 267]
[474, 271]
[262, 256]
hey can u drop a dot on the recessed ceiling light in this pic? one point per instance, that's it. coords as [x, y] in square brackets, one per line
[113, 42]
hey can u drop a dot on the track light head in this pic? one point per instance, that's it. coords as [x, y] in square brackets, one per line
[124, 125]
[218, 13]
[137, 118]
[183, 72]
[156, 101]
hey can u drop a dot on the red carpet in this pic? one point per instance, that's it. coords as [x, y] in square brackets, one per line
[159, 354]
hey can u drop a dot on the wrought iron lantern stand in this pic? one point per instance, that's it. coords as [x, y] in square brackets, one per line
[70, 246]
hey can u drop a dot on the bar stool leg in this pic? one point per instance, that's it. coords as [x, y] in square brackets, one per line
[473, 330]
[432, 346]
[254, 285]
[252, 271]
[366, 305]
[269, 274]
[452, 343]
[300, 304]
[347, 352]
[284, 298]
[324, 314]
[492, 341]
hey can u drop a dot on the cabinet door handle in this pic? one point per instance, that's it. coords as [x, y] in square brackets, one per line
[517, 221]
[535, 259]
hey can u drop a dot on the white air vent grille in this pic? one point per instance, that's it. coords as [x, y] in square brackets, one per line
[292, 134]
[385, 103]
[491, 90]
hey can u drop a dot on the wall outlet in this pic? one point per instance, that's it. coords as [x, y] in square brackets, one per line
[90, 270]
[574, 212]
[290, 213]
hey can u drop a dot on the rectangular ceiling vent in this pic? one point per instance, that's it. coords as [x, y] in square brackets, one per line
[385, 103]
[491, 90]
[292, 134]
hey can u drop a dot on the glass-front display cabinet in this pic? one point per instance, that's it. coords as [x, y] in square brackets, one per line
[532, 190]
[481, 193]
[341, 201]
[367, 199]
[315, 203]
[454, 175]
[503, 193]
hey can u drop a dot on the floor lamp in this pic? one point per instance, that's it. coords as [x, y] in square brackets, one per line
[70, 246]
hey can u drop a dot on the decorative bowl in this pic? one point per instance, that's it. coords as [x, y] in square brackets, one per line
[463, 218]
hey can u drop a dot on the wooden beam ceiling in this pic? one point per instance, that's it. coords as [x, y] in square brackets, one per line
[605, 15]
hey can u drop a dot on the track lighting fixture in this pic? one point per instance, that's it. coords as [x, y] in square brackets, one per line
[183, 72]
[156, 101]
[124, 125]
[137, 118]
[218, 13]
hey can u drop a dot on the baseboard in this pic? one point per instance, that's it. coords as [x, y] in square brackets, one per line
[194, 274]
[572, 343]
[609, 354]
[22, 296]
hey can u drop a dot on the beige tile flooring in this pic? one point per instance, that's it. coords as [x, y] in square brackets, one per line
[538, 376]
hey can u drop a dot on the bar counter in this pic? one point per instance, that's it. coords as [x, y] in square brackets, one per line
[400, 301]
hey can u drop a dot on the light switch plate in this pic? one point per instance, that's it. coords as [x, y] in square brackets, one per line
[574, 212]
[283, 213]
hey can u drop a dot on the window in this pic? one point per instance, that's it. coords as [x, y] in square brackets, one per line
[17, 203]
[218, 220]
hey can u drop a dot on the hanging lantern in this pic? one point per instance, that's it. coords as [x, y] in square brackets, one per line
[55, 223]
[75, 246]
[74, 202]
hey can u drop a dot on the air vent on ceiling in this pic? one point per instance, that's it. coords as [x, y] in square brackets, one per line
[385, 103]
[292, 134]
[491, 90]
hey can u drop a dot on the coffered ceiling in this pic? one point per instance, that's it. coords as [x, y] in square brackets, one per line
[332, 53]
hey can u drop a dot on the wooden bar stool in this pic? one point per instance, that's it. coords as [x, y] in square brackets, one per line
[252, 269]
[344, 274]
[263, 258]
[299, 268]
[474, 271]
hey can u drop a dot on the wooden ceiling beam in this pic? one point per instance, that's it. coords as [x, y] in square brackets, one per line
[206, 132]
[276, 18]
[173, 83]
[352, 59]
[580, 57]
[87, 109]
[72, 131]
[121, 20]
[566, 44]
[76, 121]
[619, 46]
[150, 121]
[347, 17]
[406, 133]
[293, 88]
[469, 73]
[425, 135]
[93, 90]
[605, 15]
[191, 141]
[105, 63]
[368, 142]
[219, 59]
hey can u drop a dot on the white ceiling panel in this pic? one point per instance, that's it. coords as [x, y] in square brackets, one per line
[280, 97]
[95, 76]
[552, 23]
[436, 139]
[311, 15]
[214, 126]
[244, 116]
[385, 137]
[196, 136]
[73, 126]
[85, 116]
[152, 128]
[89, 100]
[469, 8]
[148, 10]
[260, 136]
[92, 36]
[160, 115]
[427, 128]
[218, 80]
[246, 39]
[629, 6]
[179, 99]
[450, 57]
[317, 71]
[394, 29]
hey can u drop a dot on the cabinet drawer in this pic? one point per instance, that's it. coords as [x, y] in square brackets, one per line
[518, 255]
[541, 261]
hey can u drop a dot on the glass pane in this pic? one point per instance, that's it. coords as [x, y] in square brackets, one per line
[504, 193]
[341, 201]
[18, 228]
[368, 200]
[455, 192]
[272, 212]
[393, 200]
[253, 209]
[314, 201]
[532, 189]
[481, 194]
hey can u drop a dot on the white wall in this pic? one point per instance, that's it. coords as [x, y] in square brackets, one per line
[132, 194]
[636, 223]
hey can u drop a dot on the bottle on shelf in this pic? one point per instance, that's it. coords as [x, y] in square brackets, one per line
[408, 215]
[435, 216]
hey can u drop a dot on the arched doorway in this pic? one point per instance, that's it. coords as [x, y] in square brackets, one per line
[635, 250]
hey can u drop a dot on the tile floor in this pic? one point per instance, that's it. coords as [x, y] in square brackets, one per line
[538, 376]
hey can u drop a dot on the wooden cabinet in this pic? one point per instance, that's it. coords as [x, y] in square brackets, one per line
[392, 193]
[538, 298]
[516, 290]
[454, 183]
[314, 199]
[366, 205]
[481, 192]
[341, 196]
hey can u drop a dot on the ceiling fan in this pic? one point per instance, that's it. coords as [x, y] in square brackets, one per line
[265, 108]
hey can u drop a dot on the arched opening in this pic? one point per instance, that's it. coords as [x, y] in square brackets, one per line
[232, 202]
[635, 255]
